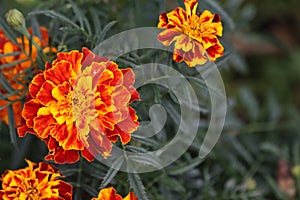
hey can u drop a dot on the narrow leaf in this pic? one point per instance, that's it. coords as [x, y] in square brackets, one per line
[11, 64]
[172, 184]
[144, 159]
[97, 23]
[112, 172]
[9, 54]
[36, 28]
[105, 30]
[54, 15]
[8, 31]
[12, 127]
[5, 84]
[78, 13]
[183, 168]
[137, 186]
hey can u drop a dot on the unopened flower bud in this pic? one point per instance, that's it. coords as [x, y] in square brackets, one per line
[15, 18]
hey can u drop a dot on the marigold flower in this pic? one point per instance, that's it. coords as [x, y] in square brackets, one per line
[35, 182]
[195, 36]
[80, 104]
[26, 53]
[110, 194]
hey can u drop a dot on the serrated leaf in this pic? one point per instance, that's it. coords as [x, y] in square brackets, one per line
[112, 172]
[55, 15]
[137, 185]
[105, 30]
[185, 167]
[144, 159]
[172, 184]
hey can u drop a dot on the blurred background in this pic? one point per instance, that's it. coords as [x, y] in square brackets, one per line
[258, 154]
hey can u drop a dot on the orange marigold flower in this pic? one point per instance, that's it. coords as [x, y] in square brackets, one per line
[13, 74]
[80, 104]
[110, 194]
[36, 182]
[195, 36]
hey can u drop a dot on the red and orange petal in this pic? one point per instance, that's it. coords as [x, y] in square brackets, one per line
[110, 194]
[80, 104]
[195, 37]
[37, 181]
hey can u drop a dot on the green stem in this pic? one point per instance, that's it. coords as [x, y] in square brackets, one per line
[25, 32]
[79, 172]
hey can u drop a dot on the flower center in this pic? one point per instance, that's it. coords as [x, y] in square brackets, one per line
[32, 194]
[192, 27]
[82, 104]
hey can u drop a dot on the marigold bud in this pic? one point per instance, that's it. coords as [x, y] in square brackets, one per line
[15, 18]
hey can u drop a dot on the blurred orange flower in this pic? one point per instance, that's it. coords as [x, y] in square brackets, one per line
[24, 55]
[37, 181]
[80, 104]
[110, 194]
[195, 36]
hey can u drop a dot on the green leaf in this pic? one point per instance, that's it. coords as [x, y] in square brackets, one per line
[143, 160]
[55, 15]
[240, 149]
[78, 13]
[68, 172]
[137, 186]
[5, 84]
[11, 125]
[105, 30]
[112, 172]
[274, 188]
[146, 141]
[97, 23]
[11, 64]
[10, 54]
[4, 106]
[271, 148]
[8, 31]
[172, 184]
[35, 26]
[81, 17]
[89, 190]
[185, 167]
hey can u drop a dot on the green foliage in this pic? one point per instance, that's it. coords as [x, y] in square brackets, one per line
[262, 124]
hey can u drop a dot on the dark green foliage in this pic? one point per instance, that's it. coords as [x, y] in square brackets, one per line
[262, 124]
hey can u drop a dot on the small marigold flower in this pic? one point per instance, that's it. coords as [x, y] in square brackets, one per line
[110, 194]
[14, 74]
[194, 36]
[35, 182]
[80, 104]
